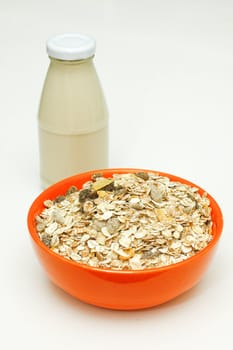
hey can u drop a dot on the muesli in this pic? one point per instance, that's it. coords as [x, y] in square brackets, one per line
[131, 221]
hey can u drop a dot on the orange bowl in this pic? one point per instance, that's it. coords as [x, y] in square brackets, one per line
[125, 290]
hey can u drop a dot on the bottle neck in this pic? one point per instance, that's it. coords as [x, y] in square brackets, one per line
[71, 63]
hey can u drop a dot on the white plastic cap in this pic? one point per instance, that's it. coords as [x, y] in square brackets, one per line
[71, 46]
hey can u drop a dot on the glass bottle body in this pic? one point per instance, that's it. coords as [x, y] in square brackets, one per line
[73, 121]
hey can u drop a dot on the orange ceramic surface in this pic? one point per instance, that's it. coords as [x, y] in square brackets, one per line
[123, 290]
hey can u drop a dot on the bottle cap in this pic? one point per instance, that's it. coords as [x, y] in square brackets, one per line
[71, 46]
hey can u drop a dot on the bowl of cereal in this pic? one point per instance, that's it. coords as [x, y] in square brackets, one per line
[125, 238]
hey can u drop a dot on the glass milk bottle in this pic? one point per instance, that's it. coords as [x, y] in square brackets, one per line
[73, 118]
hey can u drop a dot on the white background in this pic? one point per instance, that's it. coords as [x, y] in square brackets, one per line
[167, 71]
